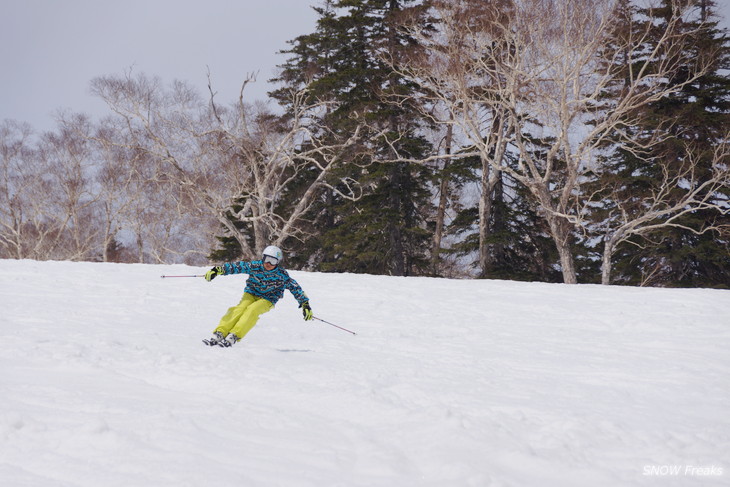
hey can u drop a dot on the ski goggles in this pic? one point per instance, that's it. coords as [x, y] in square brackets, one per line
[271, 260]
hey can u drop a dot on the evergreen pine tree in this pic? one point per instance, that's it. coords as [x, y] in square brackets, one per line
[383, 232]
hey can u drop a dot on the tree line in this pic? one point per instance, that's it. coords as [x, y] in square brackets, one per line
[553, 140]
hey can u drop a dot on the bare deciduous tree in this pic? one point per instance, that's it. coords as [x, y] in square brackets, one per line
[230, 163]
[49, 207]
[453, 82]
[530, 76]
[18, 186]
[679, 192]
[268, 155]
[72, 200]
[118, 184]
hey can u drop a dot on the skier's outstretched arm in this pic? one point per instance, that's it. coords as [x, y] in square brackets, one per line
[228, 268]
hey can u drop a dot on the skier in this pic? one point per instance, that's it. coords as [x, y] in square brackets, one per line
[265, 285]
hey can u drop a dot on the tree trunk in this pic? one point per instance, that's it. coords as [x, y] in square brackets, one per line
[485, 213]
[394, 230]
[498, 218]
[259, 229]
[443, 201]
[397, 173]
[567, 264]
[560, 230]
[606, 263]
[140, 248]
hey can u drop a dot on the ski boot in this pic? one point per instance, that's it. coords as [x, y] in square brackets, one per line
[215, 339]
[229, 341]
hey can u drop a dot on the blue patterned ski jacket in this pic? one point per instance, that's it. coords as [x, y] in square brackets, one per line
[265, 284]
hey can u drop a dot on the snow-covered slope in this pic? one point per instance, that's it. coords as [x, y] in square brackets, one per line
[104, 381]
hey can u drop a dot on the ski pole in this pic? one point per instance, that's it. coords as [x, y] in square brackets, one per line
[332, 324]
[201, 275]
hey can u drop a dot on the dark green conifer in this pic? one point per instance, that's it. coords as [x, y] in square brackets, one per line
[344, 62]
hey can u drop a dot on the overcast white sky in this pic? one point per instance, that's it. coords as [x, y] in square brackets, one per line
[51, 49]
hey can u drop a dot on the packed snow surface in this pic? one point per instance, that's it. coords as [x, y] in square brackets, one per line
[104, 381]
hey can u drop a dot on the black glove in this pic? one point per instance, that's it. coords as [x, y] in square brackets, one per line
[307, 311]
[215, 271]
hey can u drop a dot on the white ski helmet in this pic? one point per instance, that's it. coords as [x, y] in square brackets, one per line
[275, 252]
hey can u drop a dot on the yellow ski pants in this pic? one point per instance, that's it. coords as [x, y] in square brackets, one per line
[241, 318]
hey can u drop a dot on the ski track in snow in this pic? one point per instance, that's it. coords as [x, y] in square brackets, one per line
[104, 381]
